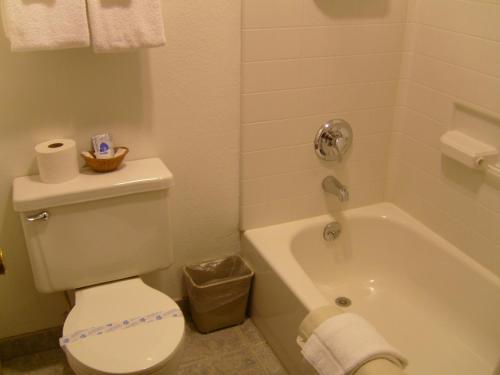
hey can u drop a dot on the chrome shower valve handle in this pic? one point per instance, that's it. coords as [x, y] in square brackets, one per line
[333, 140]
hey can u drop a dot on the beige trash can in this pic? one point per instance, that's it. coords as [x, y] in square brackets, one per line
[218, 292]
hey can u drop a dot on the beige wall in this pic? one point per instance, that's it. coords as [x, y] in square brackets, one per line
[305, 62]
[180, 102]
[454, 58]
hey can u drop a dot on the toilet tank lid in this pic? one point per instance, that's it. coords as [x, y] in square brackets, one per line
[137, 176]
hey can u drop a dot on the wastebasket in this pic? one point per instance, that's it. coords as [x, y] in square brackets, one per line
[218, 292]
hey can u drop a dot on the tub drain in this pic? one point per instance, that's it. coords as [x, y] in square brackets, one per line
[343, 302]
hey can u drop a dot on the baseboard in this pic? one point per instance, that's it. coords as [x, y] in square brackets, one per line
[30, 343]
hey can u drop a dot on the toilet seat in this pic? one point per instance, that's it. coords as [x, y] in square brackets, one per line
[136, 350]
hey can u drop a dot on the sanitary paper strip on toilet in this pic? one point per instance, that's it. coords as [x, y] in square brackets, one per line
[123, 324]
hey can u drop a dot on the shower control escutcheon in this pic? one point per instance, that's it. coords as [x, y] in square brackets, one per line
[333, 140]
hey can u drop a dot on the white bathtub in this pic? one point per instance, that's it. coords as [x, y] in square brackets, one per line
[428, 299]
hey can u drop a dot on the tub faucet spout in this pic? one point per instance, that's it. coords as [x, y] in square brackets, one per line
[333, 186]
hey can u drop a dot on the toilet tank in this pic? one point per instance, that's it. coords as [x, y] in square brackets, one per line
[100, 227]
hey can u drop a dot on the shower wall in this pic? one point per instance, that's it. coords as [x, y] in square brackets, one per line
[450, 79]
[305, 62]
[402, 72]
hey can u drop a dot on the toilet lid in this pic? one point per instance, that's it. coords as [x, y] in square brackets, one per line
[129, 350]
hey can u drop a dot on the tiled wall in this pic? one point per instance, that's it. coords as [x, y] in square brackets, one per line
[305, 62]
[400, 72]
[454, 59]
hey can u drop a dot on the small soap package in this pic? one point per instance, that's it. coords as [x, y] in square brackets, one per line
[103, 146]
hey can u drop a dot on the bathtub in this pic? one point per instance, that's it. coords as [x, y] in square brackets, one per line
[431, 301]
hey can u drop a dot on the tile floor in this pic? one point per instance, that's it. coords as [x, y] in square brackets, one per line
[237, 350]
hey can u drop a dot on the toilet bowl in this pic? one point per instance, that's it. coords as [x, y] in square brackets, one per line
[133, 343]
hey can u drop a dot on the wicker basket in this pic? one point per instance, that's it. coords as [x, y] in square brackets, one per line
[105, 165]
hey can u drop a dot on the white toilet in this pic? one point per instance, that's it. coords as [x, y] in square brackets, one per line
[96, 234]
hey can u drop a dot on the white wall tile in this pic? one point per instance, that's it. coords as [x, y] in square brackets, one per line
[459, 49]
[276, 105]
[412, 11]
[349, 40]
[303, 73]
[304, 63]
[276, 13]
[383, 65]
[465, 84]
[455, 58]
[301, 130]
[466, 17]
[270, 44]
[328, 12]
[430, 102]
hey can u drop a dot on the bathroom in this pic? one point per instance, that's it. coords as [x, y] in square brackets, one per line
[231, 104]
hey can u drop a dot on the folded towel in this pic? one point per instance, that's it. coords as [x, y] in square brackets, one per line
[118, 25]
[45, 24]
[344, 343]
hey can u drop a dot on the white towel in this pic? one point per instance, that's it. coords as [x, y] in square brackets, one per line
[345, 342]
[119, 25]
[33, 25]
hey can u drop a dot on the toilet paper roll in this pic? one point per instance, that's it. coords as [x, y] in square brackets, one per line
[57, 160]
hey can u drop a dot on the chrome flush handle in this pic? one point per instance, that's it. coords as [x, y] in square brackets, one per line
[2, 263]
[44, 216]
